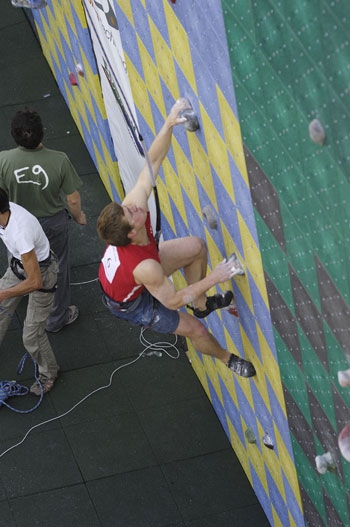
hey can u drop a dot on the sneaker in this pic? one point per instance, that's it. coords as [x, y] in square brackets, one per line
[240, 366]
[73, 313]
[44, 386]
[218, 301]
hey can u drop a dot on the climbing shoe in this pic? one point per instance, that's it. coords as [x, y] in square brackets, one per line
[217, 301]
[240, 366]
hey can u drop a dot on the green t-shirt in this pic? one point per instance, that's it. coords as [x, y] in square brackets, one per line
[37, 179]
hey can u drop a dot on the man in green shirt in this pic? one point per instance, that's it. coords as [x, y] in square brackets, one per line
[37, 178]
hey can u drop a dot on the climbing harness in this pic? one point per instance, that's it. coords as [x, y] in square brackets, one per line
[17, 266]
[12, 388]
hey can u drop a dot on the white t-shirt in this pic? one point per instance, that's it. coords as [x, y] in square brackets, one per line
[23, 233]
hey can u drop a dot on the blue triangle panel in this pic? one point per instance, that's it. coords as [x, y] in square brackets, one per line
[181, 227]
[243, 200]
[262, 314]
[227, 210]
[156, 12]
[115, 195]
[232, 412]
[85, 42]
[277, 499]
[217, 67]
[248, 413]
[247, 320]
[219, 409]
[293, 505]
[129, 40]
[261, 494]
[141, 21]
[262, 412]
[279, 418]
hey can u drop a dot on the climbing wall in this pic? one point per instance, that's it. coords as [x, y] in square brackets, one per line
[180, 50]
[276, 198]
[290, 64]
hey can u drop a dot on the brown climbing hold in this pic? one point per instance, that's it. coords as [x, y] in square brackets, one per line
[209, 214]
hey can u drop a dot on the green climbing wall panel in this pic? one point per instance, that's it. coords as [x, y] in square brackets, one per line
[290, 65]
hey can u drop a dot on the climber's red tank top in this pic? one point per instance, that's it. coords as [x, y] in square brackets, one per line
[117, 266]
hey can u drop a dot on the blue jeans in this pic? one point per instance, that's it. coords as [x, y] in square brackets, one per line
[146, 311]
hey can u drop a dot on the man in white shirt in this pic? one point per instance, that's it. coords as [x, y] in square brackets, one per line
[33, 272]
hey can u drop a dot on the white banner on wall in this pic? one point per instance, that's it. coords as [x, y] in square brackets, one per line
[115, 85]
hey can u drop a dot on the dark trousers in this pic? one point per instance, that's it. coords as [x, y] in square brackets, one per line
[56, 229]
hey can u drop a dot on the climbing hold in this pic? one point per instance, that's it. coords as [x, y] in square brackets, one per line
[73, 80]
[344, 442]
[79, 69]
[232, 309]
[344, 378]
[237, 267]
[29, 4]
[191, 124]
[268, 441]
[317, 132]
[325, 463]
[250, 436]
[210, 215]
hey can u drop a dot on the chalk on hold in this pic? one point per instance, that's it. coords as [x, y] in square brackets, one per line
[344, 378]
[79, 69]
[267, 440]
[325, 463]
[316, 131]
[191, 124]
[344, 442]
[209, 214]
[237, 267]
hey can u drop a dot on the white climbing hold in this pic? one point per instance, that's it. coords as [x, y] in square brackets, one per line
[344, 378]
[79, 69]
[268, 442]
[324, 463]
[316, 131]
